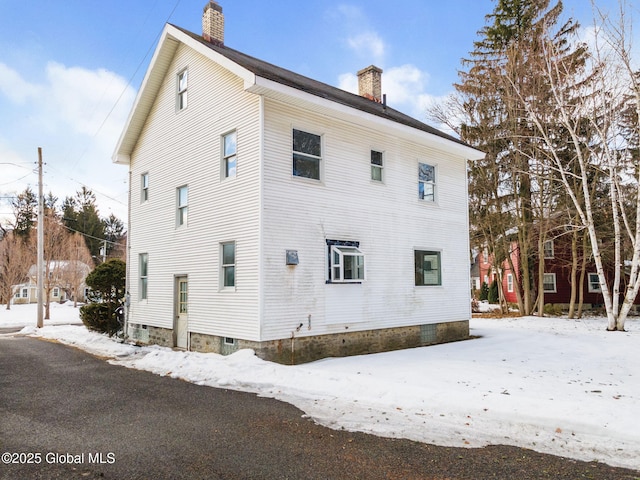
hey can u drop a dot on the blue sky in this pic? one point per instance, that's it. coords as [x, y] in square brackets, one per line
[70, 69]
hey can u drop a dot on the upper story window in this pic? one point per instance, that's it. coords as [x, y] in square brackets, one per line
[181, 99]
[428, 269]
[307, 154]
[228, 251]
[377, 164]
[229, 147]
[182, 198]
[426, 182]
[143, 266]
[548, 249]
[144, 187]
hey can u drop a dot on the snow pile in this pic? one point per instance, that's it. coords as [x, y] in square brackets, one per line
[565, 387]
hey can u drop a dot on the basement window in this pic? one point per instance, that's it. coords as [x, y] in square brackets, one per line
[346, 262]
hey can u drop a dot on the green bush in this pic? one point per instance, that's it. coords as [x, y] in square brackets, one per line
[107, 288]
[493, 292]
[100, 317]
[484, 291]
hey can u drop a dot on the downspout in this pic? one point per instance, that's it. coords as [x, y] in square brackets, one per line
[127, 281]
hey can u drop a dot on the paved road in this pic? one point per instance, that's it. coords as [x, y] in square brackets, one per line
[79, 417]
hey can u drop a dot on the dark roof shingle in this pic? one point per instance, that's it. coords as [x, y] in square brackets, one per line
[291, 79]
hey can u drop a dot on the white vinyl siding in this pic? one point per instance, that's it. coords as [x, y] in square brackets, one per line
[303, 215]
[265, 212]
[178, 154]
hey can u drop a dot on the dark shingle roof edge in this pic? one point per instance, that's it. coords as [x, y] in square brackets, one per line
[291, 79]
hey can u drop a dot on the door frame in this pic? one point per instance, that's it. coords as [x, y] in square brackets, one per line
[177, 279]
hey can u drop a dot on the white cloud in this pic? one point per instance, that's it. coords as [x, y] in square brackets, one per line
[76, 115]
[404, 85]
[14, 87]
[368, 44]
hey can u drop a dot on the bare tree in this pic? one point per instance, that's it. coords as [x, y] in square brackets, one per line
[15, 258]
[588, 102]
[76, 267]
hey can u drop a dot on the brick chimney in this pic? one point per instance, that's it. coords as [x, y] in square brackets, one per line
[213, 23]
[370, 83]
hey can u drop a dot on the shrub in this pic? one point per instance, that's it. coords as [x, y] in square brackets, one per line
[107, 284]
[493, 292]
[99, 317]
[484, 291]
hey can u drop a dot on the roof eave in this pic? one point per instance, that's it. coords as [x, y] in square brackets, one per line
[263, 86]
[170, 39]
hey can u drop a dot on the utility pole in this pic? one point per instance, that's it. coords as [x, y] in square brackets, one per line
[40, 261]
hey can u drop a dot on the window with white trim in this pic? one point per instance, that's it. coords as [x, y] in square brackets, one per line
[144, 187]
[56, 292]
[428, 270]
[182, 205]
[548, 249]
[25, 293]
[377, 164]
[510, 282]
[426, 182]
[346, 262]
[594, 283]
[229, 147]
[182, 83]
[143, 267]
[228, 264]
[549, 283]
[307, 154]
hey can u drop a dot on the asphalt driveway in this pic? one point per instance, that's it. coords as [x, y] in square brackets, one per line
[66, 414]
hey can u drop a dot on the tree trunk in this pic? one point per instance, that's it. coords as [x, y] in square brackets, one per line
[574, 271]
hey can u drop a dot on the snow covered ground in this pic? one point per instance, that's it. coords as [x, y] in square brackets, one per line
[565, 387]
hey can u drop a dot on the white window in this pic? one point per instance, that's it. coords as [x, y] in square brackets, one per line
[549, 282]
[594, 283]
[56, 292]
[144, 187]
[228, 264]
[17, 294]
[485, 255]
[510, 282]
[229, 146]
[181, 99]
[377, 164]
[182, 199]
[426, 182]
[307, 154]
[143, 266]
[428, 270]
[346, 264]
[548, 249]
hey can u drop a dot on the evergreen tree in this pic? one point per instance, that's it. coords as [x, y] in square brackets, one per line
[25, 208]
[80, 214]
[507, 190]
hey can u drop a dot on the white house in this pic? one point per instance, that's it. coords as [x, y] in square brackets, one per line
[274, 212]
[64, 276]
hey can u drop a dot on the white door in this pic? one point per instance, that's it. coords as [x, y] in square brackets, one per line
[182, 320]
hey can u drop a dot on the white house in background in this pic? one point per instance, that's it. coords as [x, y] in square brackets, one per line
[64, 274]
[274, 212]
